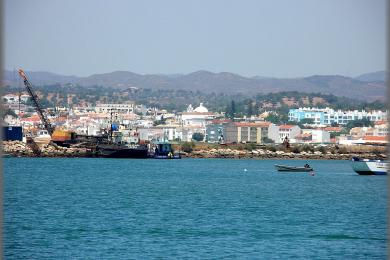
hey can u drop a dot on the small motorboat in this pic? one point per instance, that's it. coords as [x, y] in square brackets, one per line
[42, 138]
[286, 168]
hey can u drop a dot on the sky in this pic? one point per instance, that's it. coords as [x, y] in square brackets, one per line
[274, 38]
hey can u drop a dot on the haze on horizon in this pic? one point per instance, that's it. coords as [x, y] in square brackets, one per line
[266, 38]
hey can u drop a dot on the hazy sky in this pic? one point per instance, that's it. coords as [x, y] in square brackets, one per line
[279, 38]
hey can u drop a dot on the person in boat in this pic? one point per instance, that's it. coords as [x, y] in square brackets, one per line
[307, 165]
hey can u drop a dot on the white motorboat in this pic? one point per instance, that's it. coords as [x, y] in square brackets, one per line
[369, 167]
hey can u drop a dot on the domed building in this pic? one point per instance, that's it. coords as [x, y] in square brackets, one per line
[201, 109]
[196, 117]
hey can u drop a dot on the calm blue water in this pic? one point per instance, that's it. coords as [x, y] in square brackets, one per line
[191, 208]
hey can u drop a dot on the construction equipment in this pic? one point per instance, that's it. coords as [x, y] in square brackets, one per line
[44, 119]
[34, 98]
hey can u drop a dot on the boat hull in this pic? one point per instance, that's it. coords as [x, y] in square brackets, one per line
[122, 152]
[370, 167]
[286, 168]
[167, 157]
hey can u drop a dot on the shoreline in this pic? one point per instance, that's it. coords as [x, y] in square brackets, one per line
[20, 149]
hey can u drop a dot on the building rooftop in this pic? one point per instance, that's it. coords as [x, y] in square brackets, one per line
[333, 129]
[249, 124]
[201, 109]
[286, 126]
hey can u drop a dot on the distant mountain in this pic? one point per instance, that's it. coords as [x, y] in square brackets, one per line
[373, 76]
[39, 78]
[223, 82]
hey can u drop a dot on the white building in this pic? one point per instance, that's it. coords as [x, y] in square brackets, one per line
[199, 116]
[381, 129]
[11, 98]
[273, 133]
[119, 108]
[289, 131]
[327, 116]
[316, 136]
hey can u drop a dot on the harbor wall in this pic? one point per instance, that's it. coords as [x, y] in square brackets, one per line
[20, 149]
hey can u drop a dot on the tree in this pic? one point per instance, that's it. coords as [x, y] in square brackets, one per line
[359, 123]
[308, 121]
[250, 146]
[277, 118]
[198, 137]
[231, 110]
[249, 110]
[187, 147]
[322, 149]
[267, 140]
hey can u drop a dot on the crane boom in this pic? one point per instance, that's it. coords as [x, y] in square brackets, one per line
[45, 120]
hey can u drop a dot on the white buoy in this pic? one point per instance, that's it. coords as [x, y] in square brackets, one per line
[245, 170]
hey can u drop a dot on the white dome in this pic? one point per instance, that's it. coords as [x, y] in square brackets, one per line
[201, 109]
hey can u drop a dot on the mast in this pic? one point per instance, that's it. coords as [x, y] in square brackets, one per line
[111, 125]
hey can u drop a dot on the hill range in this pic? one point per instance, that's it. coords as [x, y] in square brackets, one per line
[367, 87]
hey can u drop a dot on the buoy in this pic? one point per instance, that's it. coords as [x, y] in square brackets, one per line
[245, 170]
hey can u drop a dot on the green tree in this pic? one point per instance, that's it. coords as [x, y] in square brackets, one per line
[322, 149]
[359, 123]
[231, 109]
[307, 121]
[187, 147]
[277, 118]
[249, 109]
[198, 137]
[267, 140]
[250, 146]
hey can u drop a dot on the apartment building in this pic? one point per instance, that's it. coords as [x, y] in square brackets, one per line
[327, 116]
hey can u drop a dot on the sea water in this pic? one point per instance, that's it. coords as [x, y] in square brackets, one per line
[191, 208]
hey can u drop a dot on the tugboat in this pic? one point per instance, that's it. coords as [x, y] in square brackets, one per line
[369, 167]
[164, 150]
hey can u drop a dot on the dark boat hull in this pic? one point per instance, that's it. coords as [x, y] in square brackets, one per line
[176, 156]
[286, 168]
[123, 152]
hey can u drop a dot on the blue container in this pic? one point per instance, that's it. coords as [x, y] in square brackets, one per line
[12, 133]
[114, 127]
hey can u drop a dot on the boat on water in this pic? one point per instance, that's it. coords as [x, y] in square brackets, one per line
[164, 150]
[116, 147]
[113, 150]
[287, 168]
[369, 167]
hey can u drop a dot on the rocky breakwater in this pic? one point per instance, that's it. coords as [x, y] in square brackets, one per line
[269, 154]
[21, 149]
